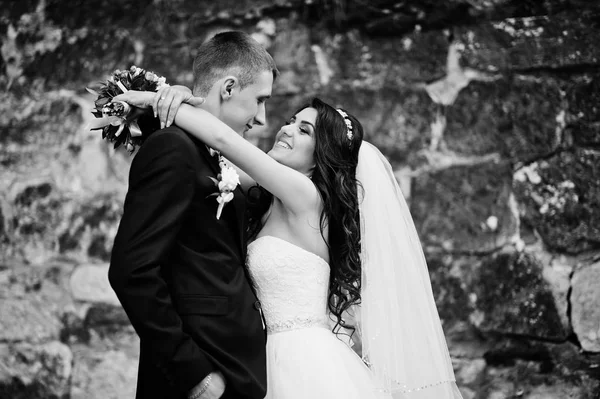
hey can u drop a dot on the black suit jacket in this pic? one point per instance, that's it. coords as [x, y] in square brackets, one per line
[180, 276]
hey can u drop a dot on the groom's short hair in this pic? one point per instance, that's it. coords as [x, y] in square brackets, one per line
[230, 53]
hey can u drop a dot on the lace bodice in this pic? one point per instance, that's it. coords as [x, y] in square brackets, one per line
[291, 284]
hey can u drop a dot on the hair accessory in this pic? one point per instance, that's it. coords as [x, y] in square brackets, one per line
[349, 134]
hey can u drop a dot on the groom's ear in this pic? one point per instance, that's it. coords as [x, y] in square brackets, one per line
[229, 85]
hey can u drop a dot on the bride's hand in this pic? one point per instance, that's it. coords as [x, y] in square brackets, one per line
[167, 100]
[139, 99]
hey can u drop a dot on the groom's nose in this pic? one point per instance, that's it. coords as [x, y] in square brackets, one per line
[261, 117]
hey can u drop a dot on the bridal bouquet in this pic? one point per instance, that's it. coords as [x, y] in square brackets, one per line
[120, 123]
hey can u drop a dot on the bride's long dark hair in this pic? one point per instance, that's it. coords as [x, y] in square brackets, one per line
[334, 175]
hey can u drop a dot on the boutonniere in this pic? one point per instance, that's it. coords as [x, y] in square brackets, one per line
[226, 181]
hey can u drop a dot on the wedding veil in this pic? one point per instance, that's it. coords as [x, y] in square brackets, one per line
[399, 326]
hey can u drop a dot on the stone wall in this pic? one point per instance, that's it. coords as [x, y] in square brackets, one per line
[488, 110]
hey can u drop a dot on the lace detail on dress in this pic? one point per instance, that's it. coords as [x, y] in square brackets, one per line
[291, 284]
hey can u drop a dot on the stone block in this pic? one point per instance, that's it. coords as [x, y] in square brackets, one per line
[558, 196]
[36, 210]
[554, 392]
[32, 301]
[89, 283]
[532, 42]
[47, 221]
[569, 362]
[557, 274]
[451, 208]
[35, 371]
[584, 134]
[91, 228]
[583, 111]
[377, 63]
[583, 97]
[449, 281]
[512, 117]
[471, 371]
[27, 319]
[108, 374]
[512, 297]
[585, 306]
[103, 315]
[5, 226]
[31, 122]
[303, 67]
[525, 380]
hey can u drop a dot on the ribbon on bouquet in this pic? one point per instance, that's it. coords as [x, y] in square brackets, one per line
[122, 120]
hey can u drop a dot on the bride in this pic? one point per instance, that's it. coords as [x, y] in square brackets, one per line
[335, 259]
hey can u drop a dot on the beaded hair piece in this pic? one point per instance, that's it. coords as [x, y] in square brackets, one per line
[349, 133]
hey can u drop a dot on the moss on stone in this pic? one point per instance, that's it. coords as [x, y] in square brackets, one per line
[514, 298]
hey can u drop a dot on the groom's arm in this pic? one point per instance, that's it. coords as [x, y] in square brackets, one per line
[161, 187]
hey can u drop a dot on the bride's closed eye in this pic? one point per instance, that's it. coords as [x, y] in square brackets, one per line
[302, 129]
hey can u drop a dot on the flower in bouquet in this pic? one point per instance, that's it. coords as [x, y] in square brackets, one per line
[118, 120]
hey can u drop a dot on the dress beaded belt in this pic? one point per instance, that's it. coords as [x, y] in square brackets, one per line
[296, 324]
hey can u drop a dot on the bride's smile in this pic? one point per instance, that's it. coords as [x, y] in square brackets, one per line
[283, 144]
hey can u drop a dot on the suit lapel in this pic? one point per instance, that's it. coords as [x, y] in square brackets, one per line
[240, 208]
[212, 161]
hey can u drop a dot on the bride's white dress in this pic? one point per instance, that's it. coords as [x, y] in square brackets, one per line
[305, 359]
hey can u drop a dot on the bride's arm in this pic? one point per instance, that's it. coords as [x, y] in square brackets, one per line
[293, 188]
[171, 98]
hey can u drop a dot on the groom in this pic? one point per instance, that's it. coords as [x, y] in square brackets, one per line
[177, 269]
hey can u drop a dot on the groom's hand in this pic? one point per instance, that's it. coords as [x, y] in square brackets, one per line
[167, 101]
[214, 390]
